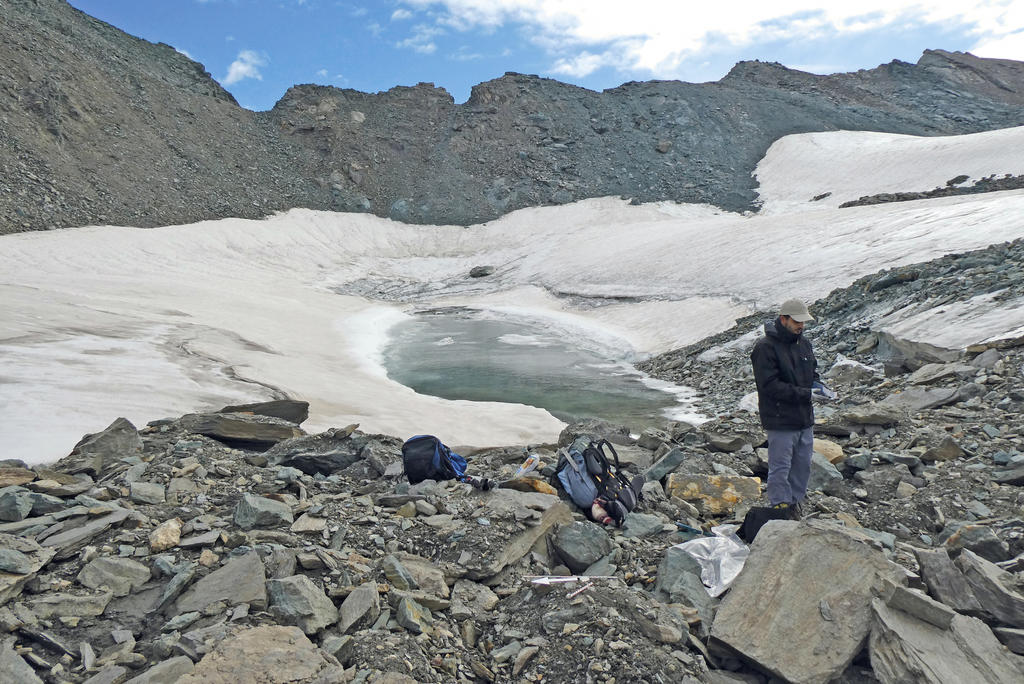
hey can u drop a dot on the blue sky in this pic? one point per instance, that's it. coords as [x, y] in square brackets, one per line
[257, 49]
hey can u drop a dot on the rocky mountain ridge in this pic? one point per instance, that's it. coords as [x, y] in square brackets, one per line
[100, 127]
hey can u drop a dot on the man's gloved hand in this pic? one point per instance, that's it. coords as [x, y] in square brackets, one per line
[822, 393]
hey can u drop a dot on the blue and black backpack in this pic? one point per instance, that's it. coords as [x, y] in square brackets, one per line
[425, 457]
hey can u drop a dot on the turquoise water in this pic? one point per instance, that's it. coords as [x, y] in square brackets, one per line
[473, 355]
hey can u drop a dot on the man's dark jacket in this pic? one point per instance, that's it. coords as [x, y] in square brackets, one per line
[784, 370]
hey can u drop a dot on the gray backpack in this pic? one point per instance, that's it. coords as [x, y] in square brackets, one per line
[586, 475]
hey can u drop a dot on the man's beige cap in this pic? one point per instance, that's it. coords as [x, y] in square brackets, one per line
[796, 310]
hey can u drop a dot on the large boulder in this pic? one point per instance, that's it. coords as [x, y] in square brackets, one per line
[240, 429]
[286, 409]
[94, 453]
[801, 607]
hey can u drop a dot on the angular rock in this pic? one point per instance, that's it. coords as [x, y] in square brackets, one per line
[147, 492]
[801, 608]
[714, 494]
[267, 655]
[69, 605]
[258, 511]
[69, 542]
[111, 674]
[946, 583]
[679, 582]
[427, 576]
[181, 579]
[981, 540]
[15, 503]
[914, 399]
[470, 599]
[165, 536]
[13, 476]
[832, 452]
[665, 465]
[286, 409]
[581, 544]
[167, 672]
[413, 616]
[1012, 638]
[240, 580]
[488, 564]
[308, 524]
[120, 575]
[240, 429]
[44, 504]
[652, 438]
[876, 413]
[822, 473]
[947, 450]
[1014, 476]
[640, 525]
[920, 606]
[95, 453]
[905, 649]
[296, 600]
[727, 443]
[398, 574]
[360, 609]
[934, 372]
[846, 371]
[13, 668]
[197, 540]
[15, 562]
[63, 487]
[993, 587]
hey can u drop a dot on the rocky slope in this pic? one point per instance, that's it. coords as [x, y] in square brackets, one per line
[232, 545]
[101, 127]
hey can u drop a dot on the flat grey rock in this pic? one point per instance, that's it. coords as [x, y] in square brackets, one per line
[801, 606]
[906, 649]
[240, 580]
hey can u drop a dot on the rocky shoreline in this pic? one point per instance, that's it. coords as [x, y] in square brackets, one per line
[231, 545]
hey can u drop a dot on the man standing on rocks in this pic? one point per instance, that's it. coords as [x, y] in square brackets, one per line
[785, 371]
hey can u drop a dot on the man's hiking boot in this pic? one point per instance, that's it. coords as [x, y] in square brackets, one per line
[792, 510]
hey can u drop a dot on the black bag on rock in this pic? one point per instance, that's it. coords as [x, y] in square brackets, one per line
[758, 516]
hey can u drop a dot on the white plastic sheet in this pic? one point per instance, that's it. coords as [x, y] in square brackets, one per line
[720, 557]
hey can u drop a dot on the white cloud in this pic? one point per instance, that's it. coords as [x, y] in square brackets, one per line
[186, 53]
[1009, 46]
[322, 73]
[422, 39]
[400, 14]
[246, 65]
[658, 37]
[581, 65]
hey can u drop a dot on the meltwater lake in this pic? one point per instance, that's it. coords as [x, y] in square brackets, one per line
[476, 355]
